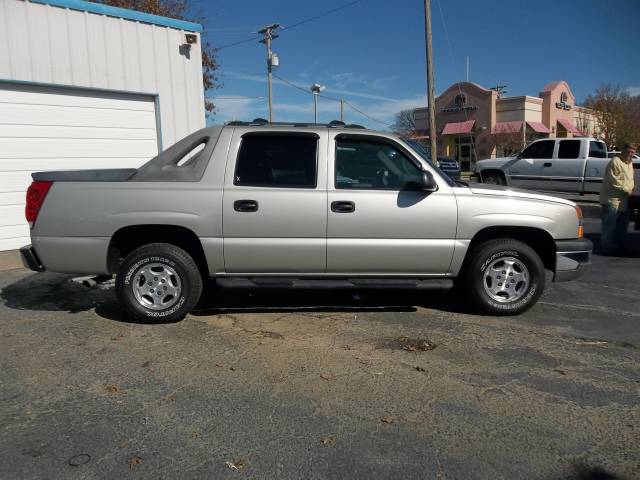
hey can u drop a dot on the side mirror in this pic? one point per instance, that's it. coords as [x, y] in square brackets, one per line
[428, 182]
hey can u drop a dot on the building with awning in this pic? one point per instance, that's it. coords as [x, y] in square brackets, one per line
[474, 122]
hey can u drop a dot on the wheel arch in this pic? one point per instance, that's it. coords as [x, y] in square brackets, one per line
[537, 238]
[495, 171]
[128, 238]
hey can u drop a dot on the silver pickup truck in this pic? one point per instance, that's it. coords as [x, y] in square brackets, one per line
[299, 206]
[571, 165]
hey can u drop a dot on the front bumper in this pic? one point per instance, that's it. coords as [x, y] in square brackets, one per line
[30, 259]
[573, 258]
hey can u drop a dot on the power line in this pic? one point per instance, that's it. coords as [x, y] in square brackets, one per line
[294, 25]
[328, 12]
[308, 92]
[367, 115]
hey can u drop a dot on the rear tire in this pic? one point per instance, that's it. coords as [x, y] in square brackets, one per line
[158, 283]
[504, 277]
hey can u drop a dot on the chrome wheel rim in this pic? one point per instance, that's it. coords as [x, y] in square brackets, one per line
[157, 286]
[506, 280]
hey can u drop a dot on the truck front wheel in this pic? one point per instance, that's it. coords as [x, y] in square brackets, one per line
[493, 178]
[504, 277]
[158, 283]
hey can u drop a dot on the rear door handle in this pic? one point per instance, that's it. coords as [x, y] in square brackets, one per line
[245, 206]
[547, 164]
[343, 207]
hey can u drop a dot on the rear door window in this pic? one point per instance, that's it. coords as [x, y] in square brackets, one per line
[542, 149]
[597, 150]
[569, 149]
[279, 161]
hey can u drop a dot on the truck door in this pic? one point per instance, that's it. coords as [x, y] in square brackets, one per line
[567, 168]
[597, 161]
[530, 169]
[378, 221]
[274, 202]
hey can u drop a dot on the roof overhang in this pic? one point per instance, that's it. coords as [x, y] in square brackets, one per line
[125, 13]
[570, 127]
[455, 128]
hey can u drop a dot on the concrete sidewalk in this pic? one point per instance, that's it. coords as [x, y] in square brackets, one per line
[10, 260]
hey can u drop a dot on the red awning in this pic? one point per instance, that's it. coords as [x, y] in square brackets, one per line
[508, 127]
[539, 127]
[455, 128]
[570, 127]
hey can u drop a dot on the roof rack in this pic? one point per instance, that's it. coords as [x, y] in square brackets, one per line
[259, 122]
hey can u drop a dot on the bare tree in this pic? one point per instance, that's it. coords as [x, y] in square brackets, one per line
[405, 123]
[180, 9]
[508, 142]
[616, 113]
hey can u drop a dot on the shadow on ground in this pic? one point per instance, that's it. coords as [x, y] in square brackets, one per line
[587, 472]
[57, 293]
[631, 244]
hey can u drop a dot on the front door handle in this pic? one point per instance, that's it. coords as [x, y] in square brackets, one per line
[343, 207]
[547, 164]
[245, 206]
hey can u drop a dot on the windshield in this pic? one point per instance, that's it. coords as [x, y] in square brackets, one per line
[418, 148]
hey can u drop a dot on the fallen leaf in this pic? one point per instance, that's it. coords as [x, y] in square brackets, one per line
[134, 462]
[328, 440]
[110, 389]
[124, 444]
[387, 419]
[236, 464]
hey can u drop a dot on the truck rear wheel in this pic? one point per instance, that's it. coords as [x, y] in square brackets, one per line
[504, 277]
[158, 283]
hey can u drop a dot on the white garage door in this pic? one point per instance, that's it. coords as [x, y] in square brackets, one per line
[45, 128]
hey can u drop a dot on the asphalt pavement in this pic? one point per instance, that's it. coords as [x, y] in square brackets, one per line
[290, 385]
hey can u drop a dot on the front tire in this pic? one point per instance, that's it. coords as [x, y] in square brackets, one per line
[504, 277]
[158, 283]
[493, 178]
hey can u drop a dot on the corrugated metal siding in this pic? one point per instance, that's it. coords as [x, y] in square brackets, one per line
[53, 45]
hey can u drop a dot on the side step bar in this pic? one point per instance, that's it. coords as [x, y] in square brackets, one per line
[337, 283]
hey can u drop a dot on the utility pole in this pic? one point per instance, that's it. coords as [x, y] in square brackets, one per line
[342, 110]
[430, 85]
[467, 68]
[268, 34]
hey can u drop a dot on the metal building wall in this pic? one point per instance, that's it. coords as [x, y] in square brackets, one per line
[59, 46]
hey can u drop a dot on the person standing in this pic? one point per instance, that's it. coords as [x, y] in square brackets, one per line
[617, 185]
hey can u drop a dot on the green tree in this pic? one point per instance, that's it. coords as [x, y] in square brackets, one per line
[180, 9]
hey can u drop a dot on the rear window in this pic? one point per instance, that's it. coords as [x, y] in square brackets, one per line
[285, 161]
[597, 150]
[569, 149]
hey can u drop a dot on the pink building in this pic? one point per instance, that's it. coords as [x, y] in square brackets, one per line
[474, 122]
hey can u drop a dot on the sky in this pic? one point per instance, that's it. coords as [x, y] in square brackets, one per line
[372, 52]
